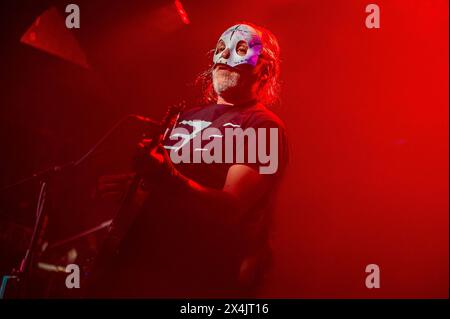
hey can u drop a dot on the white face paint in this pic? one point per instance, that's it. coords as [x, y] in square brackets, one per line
[244, 45]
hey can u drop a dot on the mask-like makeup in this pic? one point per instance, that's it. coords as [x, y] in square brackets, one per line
[244, 44]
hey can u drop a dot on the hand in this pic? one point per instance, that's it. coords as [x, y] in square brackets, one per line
[153, 165]
[113, 187]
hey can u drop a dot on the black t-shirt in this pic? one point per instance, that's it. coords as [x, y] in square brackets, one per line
[169, 252]
[202, 123]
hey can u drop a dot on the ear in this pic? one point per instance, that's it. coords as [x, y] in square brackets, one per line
[264, 73]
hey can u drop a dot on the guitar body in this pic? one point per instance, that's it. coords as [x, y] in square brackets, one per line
[130, 208]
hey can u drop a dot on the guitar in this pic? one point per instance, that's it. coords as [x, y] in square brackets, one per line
[133, 200]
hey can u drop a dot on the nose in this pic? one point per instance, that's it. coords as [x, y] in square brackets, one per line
[225, 53]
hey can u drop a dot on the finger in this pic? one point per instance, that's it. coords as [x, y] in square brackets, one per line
[156, 156]
[117, 185]
[111, 187]
[114, 178]
[111, 196]
[144, 142]
[163, 152]
[111, 179]
[111, 193]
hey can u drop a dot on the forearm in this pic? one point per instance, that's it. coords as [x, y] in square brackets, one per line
[243, 188]
[215, 206]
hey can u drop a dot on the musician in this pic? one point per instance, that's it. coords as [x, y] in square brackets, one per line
[204, 227]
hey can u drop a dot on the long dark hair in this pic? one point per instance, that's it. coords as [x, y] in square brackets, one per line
[269, 89]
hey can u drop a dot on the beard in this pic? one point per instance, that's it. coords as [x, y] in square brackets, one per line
[225, 81]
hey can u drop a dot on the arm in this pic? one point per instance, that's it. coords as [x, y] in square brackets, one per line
[243, 188]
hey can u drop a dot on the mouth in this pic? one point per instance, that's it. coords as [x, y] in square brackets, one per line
[221, 66]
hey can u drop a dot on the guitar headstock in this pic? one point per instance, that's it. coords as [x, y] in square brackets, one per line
[171, 114]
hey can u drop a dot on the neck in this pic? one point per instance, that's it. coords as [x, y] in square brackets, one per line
[233, 102]
[221, 100]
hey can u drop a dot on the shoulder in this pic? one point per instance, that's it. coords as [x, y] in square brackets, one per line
[260, 116]
[194, 110]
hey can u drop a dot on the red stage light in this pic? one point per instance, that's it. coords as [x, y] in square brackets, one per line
[50, 34]
[181, 12]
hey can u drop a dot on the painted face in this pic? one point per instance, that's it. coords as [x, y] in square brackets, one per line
[240, 44]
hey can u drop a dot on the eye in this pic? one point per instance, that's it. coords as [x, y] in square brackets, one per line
[220, 47]
[242, 48]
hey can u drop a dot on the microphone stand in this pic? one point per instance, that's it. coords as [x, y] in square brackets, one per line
[22, 275]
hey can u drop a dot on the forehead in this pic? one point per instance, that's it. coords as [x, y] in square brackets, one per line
[241, 31]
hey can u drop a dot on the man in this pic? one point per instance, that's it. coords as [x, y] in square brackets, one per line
[204, 228]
